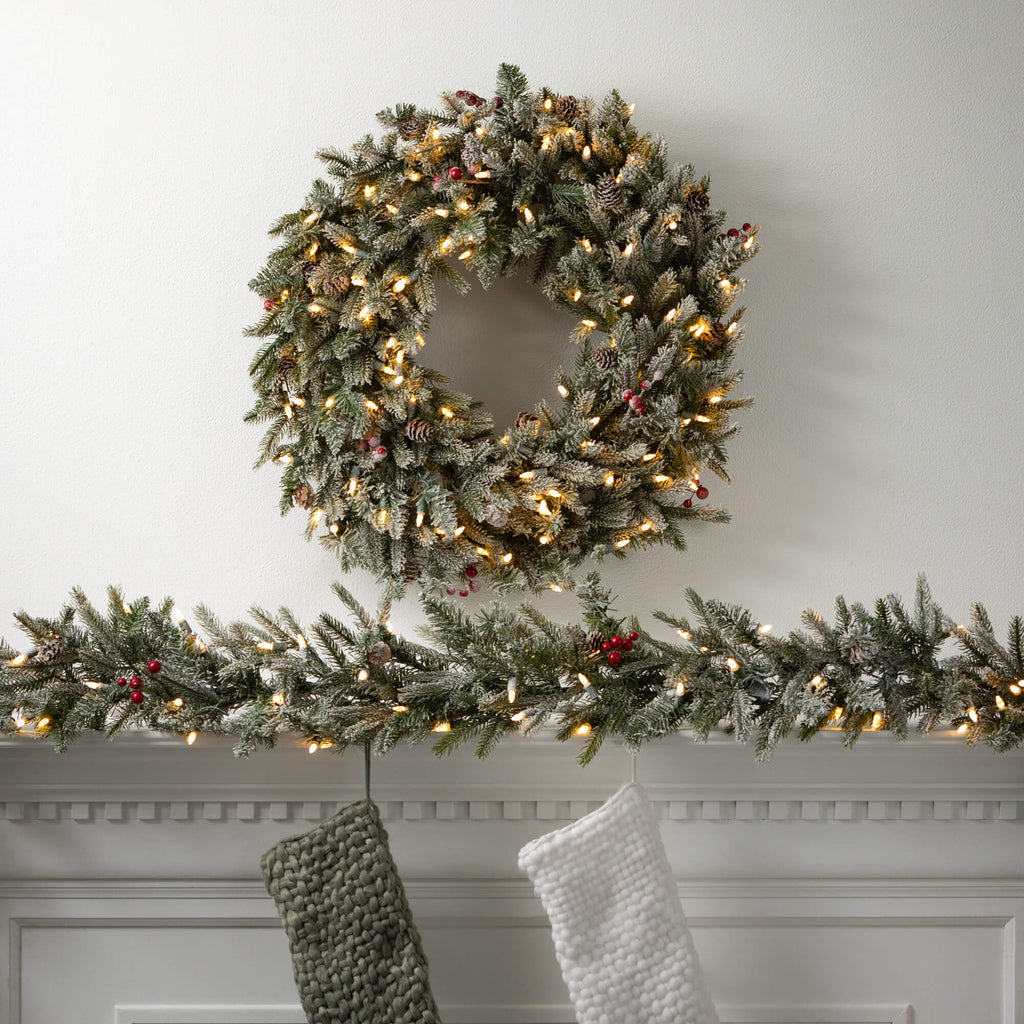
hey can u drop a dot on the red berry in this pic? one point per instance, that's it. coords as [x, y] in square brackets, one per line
[122, 681]
[746, 227]
[470, 571]
[606, 646]
[640, 409]
[474, 585]
[450, 591]
[498, 102]
[268, 304]
[733, 232]
[627, 645]
[438, 182]
[645, 385]
[634, 635]
[137, 696]
[463, 593]
[154, 666]
[460, 93]
[615, 658]
[616, 641]
[380, 450]
[702, 492]
[475, 100]
[627, 395]
[688, 503]
[135, 682]
[455, 173]
[721, 238]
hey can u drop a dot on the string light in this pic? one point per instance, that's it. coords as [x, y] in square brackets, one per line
[876, 720]
[415, 175]
[543, 509]
[585, 242]
[671, 315]
[660, 478]
[628, 251]
[482, 174]
[584, 681]
[442, 727]
[582, 730]
[463, 205]
[177, 702]
[627, 299]
[507, 557]
[594, 420]
[650, 456]
[191, 737]
[362, 675]
[92, 684]
[42, 723]
[391, 208]
[576, 295]
[586, 152]
[734, 665]
[399, 708]
[609, 480]
[285, 460]
[1015, 688]
[278, 699]
[527, 475]
[459, 531]
[18, 661]
[563, 390]
[313, 747]
[310, 220]
[359, 281]
[547, 103]
[518, 716]
[972, 714]
[371, 405]
[465, 255]
[680, 688]
[766, 628]
[622, 542]
[329, 403]
[399, 285]
[446, 412]
[672, 225]
[1000, 703]
[555, 587]
[365, 313]
[527, 215]
[441, 211]
[962, 729]
[511, 694]
[368, 190]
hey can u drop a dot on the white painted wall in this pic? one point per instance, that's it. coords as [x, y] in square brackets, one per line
[147, 145]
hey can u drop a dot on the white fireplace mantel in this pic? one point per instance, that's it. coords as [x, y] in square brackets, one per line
[828, 885]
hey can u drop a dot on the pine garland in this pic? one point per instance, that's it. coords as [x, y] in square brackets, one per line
[505, 670]
[404, 475]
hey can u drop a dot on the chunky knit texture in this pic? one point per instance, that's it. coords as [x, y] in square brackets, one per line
[356, 953]
[621, 939]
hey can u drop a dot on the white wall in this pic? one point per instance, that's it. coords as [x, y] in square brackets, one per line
[146, 146]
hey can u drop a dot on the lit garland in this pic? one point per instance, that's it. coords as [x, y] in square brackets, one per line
[403, 475]
[507, 671]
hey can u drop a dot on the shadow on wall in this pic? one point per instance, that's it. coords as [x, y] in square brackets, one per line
[502, 345]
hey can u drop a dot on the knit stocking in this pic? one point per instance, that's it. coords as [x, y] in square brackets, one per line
[621, 939]
[355, 951]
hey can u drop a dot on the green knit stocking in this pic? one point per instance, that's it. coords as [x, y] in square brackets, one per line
[356, 953]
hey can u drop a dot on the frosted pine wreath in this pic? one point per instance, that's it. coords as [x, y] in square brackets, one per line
[403, 474]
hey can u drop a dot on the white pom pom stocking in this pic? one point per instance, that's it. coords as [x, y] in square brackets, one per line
[621, 939]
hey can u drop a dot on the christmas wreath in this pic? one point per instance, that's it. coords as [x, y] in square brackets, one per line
[406, 476]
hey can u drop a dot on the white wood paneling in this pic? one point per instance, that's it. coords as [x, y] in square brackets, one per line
[880, 886]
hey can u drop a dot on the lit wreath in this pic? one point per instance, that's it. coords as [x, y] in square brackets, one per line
[404, 475]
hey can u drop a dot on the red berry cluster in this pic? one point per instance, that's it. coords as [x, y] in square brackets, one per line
[636, 401]
[700, 490]
[470, 582]
[741, 233]
[615, 647]
[472, 100]
[372, 444]
[268, 304]
[135, 683]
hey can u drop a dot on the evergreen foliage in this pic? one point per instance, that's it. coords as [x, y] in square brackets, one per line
[505, 670]
[401, 473]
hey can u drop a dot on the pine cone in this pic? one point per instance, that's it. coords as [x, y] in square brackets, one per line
[609, 194]
[285, 365]
[304, 496]
[566, 107]
[697, 200]
[51, 650]
[411, 127]
[472, 151]
[594, 639]
[603, 357]
[410, 571]
[496, 516]
[380, 653]
[336, 284]
[714, 341]
[419, 430]
[526, 421]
